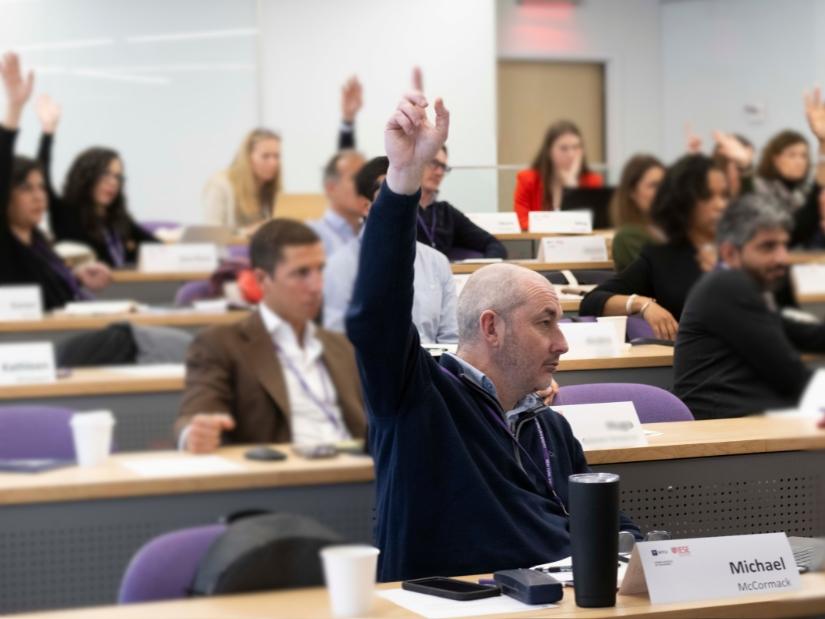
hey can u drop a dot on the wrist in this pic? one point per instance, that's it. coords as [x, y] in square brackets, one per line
[404, 180]
[645, 306]
[12, 118]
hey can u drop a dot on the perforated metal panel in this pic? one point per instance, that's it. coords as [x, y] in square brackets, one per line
[74, 554]
[730, 495]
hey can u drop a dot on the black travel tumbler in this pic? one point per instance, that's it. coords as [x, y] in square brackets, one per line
[594, 537]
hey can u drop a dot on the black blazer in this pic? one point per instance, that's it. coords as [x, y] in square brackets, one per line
[22, 264]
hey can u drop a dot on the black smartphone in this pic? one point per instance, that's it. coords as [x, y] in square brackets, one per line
[451, 588]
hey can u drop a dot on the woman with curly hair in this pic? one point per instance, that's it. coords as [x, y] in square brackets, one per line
[691, 199]
[92, 209]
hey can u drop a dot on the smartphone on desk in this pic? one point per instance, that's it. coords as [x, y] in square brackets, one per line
[451, 588]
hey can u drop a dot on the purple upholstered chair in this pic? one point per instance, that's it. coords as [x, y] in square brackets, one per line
[153, 226]
[238, 251]
[36, 432]
[190, 292]
[638, 327]
[164, 568]
[652, 403]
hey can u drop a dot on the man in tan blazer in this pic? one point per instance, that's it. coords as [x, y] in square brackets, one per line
[274, 376]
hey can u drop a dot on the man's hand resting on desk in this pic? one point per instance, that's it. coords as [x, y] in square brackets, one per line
[412, 141]
[203, 434]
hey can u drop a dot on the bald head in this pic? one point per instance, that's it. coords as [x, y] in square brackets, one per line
[500, 288]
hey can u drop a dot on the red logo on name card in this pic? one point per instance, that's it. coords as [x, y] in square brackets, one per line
[680, 550]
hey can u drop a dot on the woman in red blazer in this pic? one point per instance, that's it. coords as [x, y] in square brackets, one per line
[559, 163]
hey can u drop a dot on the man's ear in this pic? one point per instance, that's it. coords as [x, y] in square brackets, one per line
[490, 326]
[730, 254]
[260, 276]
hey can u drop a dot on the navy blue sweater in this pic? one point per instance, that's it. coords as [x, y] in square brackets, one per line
[451, 495]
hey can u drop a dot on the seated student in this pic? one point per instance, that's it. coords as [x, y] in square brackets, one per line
[434, 301]
[26, 256]
[346, 211]
[736, 353]
[471, 466]
[692, 197]
[560, 163]
[243, 195]
[445, 228]
[630, 209]
[92, 209]
[274, 376]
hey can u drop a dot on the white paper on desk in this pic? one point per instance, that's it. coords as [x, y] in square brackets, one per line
[180, 466]
[496, 223]
[603, 425]
[98, 308]
[561, 222]
[567, 576]
[155, 370]
[813, 400]
[587, 340]
[808, 278]
[435, 607]
[572, 249]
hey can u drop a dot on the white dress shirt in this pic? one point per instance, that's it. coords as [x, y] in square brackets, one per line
[313, 401]
[334, 230]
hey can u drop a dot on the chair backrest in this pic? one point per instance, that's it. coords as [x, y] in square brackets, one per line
[190, 292]
[153, 225]
[36, 432]
[638, 327]
[164, 568]
[653, 404]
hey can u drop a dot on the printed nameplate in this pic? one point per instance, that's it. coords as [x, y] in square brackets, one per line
[808, 278]
[27, 363]
[496, 223]
[589, 340]
[561, 222]
[573, 249]
[21, 303]
[180, 258]
[813, 399]
[603, 425]
[708, 568]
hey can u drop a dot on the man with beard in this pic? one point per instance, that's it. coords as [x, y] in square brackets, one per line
[736, 352]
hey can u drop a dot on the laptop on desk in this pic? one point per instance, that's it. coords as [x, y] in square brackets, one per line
[596, 200]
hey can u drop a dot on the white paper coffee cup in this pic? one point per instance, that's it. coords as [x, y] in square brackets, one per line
[349, 572]
[92, 434]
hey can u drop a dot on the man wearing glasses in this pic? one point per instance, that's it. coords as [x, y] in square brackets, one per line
[444, 227]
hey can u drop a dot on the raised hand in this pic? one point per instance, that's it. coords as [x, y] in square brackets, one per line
[815, 113]
[411, 140]
[693, 142]
[733, 149]
[417, 80]
[18, 88]
[48, 112]
[351, 99]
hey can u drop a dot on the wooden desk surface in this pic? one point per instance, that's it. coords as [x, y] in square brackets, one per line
[472, 267]
[646, 356]
[314, 604]
[688, 439]
[131, 276]
[63, 322]
[99, 381]
[608, 233]
[806, 257]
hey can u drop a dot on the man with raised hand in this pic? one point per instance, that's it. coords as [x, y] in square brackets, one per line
[471, 466]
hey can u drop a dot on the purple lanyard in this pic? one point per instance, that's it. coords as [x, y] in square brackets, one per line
[115, 246]
[59, 267]
[322, 404]
[545, 450]
[429, 233]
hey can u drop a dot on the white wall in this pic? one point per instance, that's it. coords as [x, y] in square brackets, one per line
[175, 109]
[309, 48]
[623, 33]
[721, 55]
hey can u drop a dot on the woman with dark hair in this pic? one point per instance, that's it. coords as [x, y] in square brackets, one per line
[630, 208]
[26, 257]
[93, 208]
[689, 203]
[560, 163]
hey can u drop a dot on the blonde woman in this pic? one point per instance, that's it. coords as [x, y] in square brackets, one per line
[243, 196]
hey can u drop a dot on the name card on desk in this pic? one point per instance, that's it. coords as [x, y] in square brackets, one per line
[813, 399]
[180, 258]
[496, 223]
[573, 249]
[27, 363]
[21, 303]
[590, 340]
[708, 568]
[808, 278]
[561, 222]
[599, 426]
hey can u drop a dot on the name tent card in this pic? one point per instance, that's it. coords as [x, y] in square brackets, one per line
[587, 340]
[180, 258]
[459, 279]
[561, 222]
[813, 399]
[808, 278]
[496, 223]
[598, 426]
[709, 568]
[573, 249]
[27, 363]
[21, 303]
